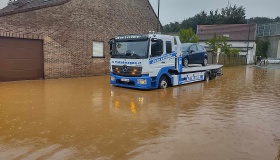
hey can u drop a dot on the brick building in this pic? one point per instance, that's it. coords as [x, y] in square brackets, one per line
[65, 38]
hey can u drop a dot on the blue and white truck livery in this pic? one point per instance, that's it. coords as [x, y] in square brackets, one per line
[151, 61]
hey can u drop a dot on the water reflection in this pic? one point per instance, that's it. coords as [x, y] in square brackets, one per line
[235, 116]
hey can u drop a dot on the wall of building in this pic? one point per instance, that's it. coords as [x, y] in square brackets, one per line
[69, 30]
[274, 46]
[242, 46]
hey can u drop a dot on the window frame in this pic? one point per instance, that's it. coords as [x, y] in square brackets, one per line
[103, 49]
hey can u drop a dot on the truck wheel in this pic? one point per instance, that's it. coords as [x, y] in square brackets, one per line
[207, 76]
[163, 82]
[205, 61]
[185, 62]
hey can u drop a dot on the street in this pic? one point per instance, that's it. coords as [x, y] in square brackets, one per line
[235, 116]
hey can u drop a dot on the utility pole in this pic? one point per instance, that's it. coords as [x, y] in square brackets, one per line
[158, 16]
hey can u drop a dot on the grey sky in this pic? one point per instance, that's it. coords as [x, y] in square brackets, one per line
[178, 10]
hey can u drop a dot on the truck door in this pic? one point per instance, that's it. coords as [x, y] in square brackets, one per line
[161, 56]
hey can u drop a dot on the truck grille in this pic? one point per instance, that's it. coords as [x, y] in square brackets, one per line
[128, 71]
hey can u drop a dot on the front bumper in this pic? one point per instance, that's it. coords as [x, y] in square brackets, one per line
[143, 82]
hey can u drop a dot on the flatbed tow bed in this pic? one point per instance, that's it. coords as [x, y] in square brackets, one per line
[200, 68]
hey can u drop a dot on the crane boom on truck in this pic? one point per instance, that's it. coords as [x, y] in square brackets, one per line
[151, 61]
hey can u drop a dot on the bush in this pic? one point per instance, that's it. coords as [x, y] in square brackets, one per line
[234, 51]
[188, 36]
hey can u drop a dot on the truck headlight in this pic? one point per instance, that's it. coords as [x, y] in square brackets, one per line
[141, 81]
[112, 78]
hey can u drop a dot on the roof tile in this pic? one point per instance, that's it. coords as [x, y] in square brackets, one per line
[235, 32]
[19, 6]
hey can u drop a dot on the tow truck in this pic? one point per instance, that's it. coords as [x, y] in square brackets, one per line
[151, 61]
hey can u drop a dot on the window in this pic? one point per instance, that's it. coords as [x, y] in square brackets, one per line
[185, 47]
[98, 50]
[168, 47]
[199, 48]
[193, 48]
[157, 48]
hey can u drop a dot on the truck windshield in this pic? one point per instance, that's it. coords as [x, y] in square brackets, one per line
[131, 49]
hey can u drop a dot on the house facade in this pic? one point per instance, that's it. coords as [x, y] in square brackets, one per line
[42, 39]
[270, 32]
[240, 36]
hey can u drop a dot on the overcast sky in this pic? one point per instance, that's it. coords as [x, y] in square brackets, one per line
[178, 10]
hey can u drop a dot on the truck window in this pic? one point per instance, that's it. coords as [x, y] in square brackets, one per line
[157, 48]
[168, 47]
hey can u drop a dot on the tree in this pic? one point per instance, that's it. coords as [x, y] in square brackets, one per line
[262, 46]
[172, 27]
[233, 15]
[228, 15]
[261, 20]
[277, 19]
[220, 42]
[188, 36]
[212, 43]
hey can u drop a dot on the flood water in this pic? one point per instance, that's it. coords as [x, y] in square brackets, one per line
[236, 116]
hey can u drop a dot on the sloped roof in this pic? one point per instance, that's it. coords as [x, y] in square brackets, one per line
[19, 6]
[234, 32]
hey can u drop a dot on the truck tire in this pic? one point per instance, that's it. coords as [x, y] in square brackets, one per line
[205, 61]
[207, 76]
[185, 62]
[163, 82]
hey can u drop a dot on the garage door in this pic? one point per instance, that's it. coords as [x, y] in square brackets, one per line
[21, 59]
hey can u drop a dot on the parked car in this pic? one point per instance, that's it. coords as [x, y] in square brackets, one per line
[194, 54]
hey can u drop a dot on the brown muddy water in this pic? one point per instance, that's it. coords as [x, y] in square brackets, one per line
[236, 116]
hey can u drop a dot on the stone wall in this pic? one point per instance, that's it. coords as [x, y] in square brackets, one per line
[69, 30]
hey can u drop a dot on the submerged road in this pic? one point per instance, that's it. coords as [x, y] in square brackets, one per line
[236, 116]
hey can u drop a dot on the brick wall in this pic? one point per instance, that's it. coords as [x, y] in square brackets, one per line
[68, 31]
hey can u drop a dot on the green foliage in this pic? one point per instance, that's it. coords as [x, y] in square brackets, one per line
[171, 27]
[262, 46]
[212, 43]
[263, 20]
[233, 15]
[188, 36]
[228, 15]
[234, 51]
[220, 42]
